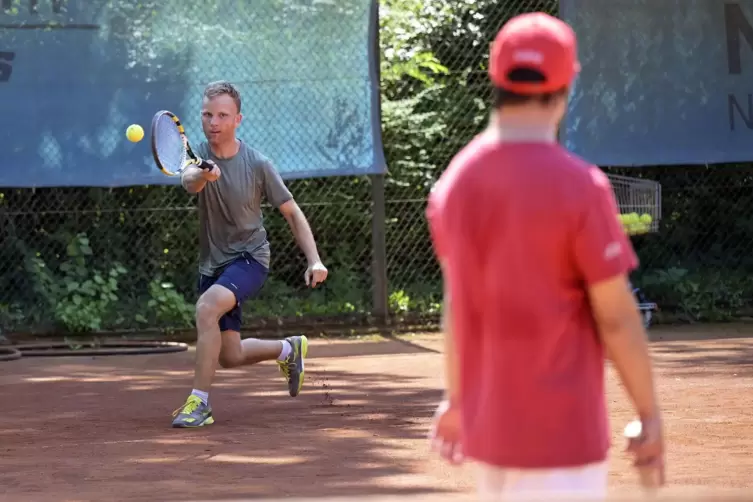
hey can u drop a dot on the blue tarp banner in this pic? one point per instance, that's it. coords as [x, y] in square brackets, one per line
[75, 73]
[663, 81]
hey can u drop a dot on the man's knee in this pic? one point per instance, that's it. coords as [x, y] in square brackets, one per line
[231, 359]
[207, 311]
[213, 304]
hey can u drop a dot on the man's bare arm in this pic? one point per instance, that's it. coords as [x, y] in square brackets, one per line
[451, 368]
[624, 337]
[194, 178]
[301, 229]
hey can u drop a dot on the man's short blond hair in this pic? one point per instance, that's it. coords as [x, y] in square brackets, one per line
[222, 87]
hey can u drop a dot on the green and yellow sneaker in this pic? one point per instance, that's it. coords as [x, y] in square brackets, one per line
[193, 414]
[293, 366]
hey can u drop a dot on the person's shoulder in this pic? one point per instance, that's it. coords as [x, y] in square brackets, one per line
[460, 176]
[573, 161]
[581, 183]
[252, 153]
[577, 172]
[476, 152]
[462, 165]
[201, 149]
[253, 157]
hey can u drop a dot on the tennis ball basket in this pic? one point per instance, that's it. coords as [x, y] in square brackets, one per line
[639, 202]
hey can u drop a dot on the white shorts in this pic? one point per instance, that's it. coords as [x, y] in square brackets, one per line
[588, 482]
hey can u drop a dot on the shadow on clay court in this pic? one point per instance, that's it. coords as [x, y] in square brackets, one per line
[732, 357]
[99, 428]
[700, 332]
[389, 346]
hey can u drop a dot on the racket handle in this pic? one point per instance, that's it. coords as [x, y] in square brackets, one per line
[203, 164]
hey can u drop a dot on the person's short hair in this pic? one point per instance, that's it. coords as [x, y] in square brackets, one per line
[502, 97]
[222, 87]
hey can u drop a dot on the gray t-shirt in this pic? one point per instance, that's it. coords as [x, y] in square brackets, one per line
[230, 218]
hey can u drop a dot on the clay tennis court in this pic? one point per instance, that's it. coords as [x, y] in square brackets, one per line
[83, 428]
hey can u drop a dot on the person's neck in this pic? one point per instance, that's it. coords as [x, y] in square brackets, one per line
[226, 150]
[519, 129]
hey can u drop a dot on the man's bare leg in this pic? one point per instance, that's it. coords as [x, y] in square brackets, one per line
[236, 352]
[212, 305]
[289, 354]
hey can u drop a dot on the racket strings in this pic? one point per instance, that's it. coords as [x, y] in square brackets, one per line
[170, 144]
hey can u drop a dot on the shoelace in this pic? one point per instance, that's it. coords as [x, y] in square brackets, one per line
[284, 368]
[192, 403]
[286, 365]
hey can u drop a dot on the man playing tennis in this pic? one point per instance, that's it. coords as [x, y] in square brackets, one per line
[234, 252]
[535, 266]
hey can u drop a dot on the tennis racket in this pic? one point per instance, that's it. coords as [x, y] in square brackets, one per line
[170, 147]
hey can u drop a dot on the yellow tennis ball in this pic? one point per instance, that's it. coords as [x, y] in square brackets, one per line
[135, 133]
[632, 218]
[646, 219]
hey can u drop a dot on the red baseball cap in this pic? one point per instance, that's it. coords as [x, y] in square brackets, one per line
[535, 41]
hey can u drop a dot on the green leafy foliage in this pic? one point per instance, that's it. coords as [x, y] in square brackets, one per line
[167, 306]
[705, 295]
[79, 297]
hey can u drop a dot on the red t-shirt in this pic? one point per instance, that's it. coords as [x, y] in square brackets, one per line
[521, 229]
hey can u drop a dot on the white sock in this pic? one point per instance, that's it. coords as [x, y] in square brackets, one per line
[204, 396]
[286, 350]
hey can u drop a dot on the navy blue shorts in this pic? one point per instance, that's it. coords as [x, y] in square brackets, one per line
[245, 278]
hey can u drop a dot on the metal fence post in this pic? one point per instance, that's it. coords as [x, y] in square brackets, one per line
[379, 250]
[380, 291]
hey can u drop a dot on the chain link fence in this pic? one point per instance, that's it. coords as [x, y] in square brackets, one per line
[696, 268]
[92, 259]
[76, 260]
